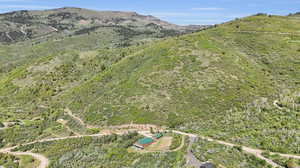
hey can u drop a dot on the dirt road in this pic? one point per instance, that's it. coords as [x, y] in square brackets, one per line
[69, 112]
[255, 152]
[44, 162]
[181, 144]
[192, 160]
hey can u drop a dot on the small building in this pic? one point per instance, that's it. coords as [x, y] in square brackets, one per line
[144, 142]
[207, 165]
[158, 135]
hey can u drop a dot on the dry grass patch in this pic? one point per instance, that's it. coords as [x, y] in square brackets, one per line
[162, 144]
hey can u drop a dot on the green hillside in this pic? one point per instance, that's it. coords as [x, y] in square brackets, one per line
[28, 35]
[237, 82]
[221, 82]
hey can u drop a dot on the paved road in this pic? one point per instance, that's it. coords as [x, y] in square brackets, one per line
[191, 160]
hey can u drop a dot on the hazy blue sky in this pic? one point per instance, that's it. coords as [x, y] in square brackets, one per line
[175, 11]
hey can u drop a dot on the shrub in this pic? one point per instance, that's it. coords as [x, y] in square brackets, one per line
[93, 130]
[103, 67]
[239, 148]
[298, 100]
[261, 14]
[174, 120]
[291, 164]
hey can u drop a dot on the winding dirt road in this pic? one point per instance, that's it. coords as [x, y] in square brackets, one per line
[69, 112]
[255, 152]
[44, 161]
[180, 146]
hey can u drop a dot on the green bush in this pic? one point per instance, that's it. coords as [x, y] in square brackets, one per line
[93, 130]
[9, 161]
[1, 125]
[176, 141]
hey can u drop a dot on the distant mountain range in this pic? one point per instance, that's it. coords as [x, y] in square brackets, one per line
[24, 25]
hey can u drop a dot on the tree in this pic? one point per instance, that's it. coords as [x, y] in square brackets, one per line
[151, 130]
[103, 67]
[174, 120]
[1, 125]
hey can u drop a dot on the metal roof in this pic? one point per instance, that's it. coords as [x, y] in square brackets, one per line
[158, 135]
[144, 141]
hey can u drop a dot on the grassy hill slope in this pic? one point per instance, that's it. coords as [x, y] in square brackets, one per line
[28, 35]
[221, 82]
[238, 82]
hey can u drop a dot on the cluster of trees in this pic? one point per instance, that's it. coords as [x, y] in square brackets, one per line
[9, 161]
[292, 14]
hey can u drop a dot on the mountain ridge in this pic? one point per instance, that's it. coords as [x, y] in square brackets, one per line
[23, 25]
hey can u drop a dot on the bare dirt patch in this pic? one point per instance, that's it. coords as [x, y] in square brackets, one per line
[84, 22]
[162, 144]
[46, 66]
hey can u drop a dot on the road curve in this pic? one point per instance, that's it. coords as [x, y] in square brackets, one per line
[44, 161]
[255, 152]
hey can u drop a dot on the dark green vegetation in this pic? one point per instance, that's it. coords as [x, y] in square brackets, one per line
[110, 151]
[8, 161]
[224, 156]
[17, 162]
[237, 82]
